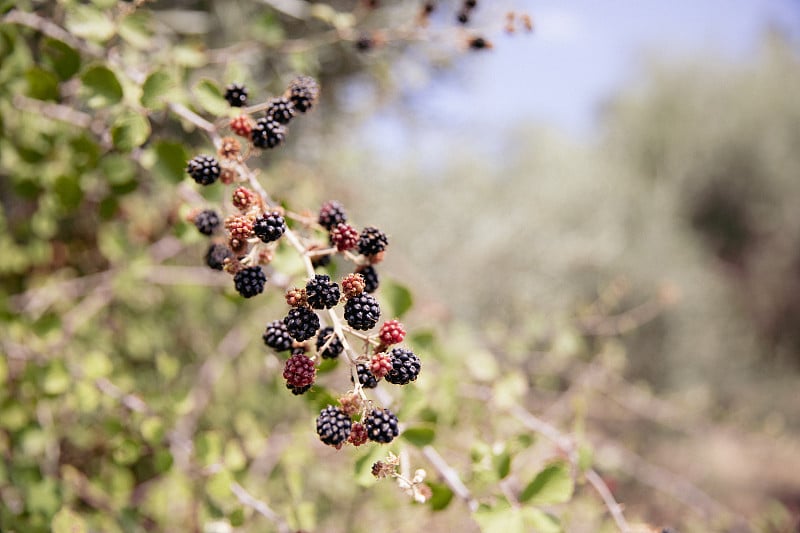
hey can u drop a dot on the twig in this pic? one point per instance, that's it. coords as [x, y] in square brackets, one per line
[53, 30]
[608, 499]
[192, 117]
[245, 498]
[450, 477]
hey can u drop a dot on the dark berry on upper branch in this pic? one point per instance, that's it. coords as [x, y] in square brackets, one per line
[203, 169]
[372, 241]
[381, 426]
[365, 377]
[280, 110]
[370, 276]
[216, 256]
[302, 323]
[269, 227]
[236, 95]
[329, 345]
[362, 312]
[277, 337]
[405, 366]
[206, 221]
[321, 292]
[267, 133]
[303, 91]
[331, 214]
[333, 426]
[250, 281]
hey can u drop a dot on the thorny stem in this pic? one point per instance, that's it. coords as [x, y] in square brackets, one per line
[450, 477]
[245, 498]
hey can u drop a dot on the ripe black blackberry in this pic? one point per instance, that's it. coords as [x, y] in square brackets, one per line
[405, 366]
[381, 426]
[302, 323]
[267, 133]
[206, 221]
[362, 312]
[250, 281]
[334, 347]
[321, 292]
[331, 214]
[280, 110]
[372, 241]
[365, 42]
[269, 227]
[370, 276]
[365, 377]
[303, 92]
[236, 95]
[299, 373]
[333, 426]
[277, 337]
[203, 169]
[216, 256]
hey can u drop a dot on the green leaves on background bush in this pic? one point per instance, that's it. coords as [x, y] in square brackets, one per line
[130, 130]
[102, 86]
[156, 88]
[552, 485]
[398, 298]
[210, 97]
[90, 23]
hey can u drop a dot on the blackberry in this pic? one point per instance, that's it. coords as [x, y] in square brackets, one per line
[243, 199]
[269, 227]
[321, 292]
[242, 125]
[277, 337]
[365, 377]
[362, 312]
[365, 42]
[381, 426]
[319, 260]
[229, 148]
[280, 110]
[463, 17]
[303, 92]
[371, 279]
[392, 332]
[216, 256]
[380, 365]
[267, 133]
[302, 323]
[250, 281]
[345, 237]
[353, 285]
[372, 241]
[331, 214]
[405, 366]
[299, 373]
[479, 43]
[333, 426]
[206, 221]
[203, 169]
[334, 344]
[236, 95]
[358, 434]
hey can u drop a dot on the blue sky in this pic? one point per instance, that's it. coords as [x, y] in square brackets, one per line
[581, 53]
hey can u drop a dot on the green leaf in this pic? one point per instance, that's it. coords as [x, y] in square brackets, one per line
[320, 398]
[171, 158]
[363, 466]
[552, 485]
[500, 518]
[102, 85]
[42, 85]
[502, 464]
[67, 521]
[441, 496]
[90, 23]
[210, 97]
[399, 298]
[130, 131]
[539, 521]
[60, 58]
[136, 30]
[157, 86]
[419, 436]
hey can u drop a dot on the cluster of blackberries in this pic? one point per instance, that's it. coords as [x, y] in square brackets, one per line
[334, 426]
[399, 366]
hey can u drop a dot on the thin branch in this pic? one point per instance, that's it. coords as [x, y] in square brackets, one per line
[450, 477]
[245, 498]
[608, 499]
[42, 25]
[192, 117]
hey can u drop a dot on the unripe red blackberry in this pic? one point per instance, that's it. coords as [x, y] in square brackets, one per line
[302, 323]
[299, 373]
[381, 426]
[203, 169]
[242, 125]
[250, 281]
[353, 285]
[236, 95]
[243, 199]
[331, 214]
[280, 110]
[269, 227]
[365, 377]
[267, 133]
[229, 148]
[344, 237]
[405, 366]
[362, 312]
[358, 434]
[321, 292]
[206, 221]
[333, 426]
[303, 92]
[351, 403]
[239, 227]
[380, 365]
[371, 280]
[392, 332]
[216, 256]
[329, 345]
[277, 337]
[296, 297]
[372, 241]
